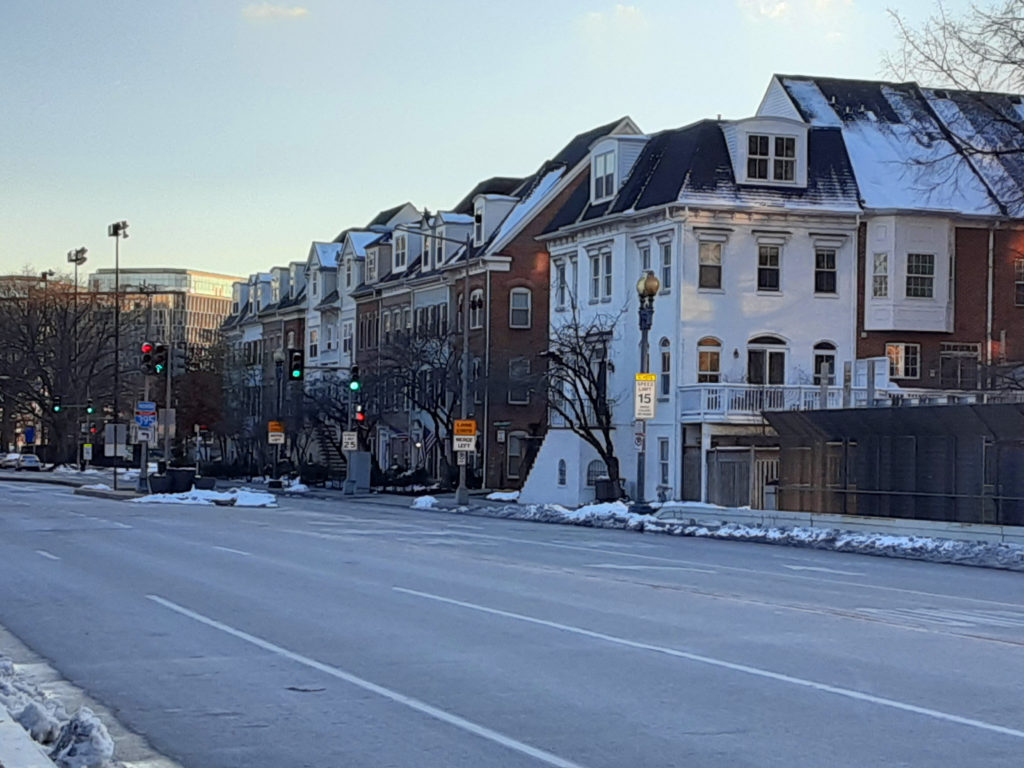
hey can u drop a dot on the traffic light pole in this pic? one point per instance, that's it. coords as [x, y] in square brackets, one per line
[143, 484]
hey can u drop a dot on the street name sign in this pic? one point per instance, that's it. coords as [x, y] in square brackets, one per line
[645, 396]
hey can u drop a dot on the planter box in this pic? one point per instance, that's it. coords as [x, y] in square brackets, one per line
[160, 484]
[204, 483]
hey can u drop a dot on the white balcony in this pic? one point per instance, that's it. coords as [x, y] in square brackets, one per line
[744, 403]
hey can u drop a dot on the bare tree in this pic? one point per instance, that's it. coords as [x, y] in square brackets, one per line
[576, 383]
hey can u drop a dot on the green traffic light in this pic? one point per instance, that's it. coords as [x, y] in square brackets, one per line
[159, 368]
[296, 374]
[89, 409]
[56, 409]
[355, 386]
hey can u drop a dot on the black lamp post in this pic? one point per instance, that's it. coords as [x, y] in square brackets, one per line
[117, 230]
[647, 288]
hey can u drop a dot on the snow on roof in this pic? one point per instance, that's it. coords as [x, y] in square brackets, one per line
[899, 147]
[360, 240]
[448, 217]
[327, 253]
[527, 206]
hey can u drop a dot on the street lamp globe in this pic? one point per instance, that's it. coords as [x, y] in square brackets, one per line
[279, 356]
[648, 285]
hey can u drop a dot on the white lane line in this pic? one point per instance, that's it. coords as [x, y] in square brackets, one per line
[47, 555]
[618, 567]
[100, 520]
[235, 551]
[755, 671]
[820, 570]
[366, 685]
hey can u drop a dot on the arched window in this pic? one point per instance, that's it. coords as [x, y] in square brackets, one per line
[561, 472]
[520, 301]
[476, 309]
[709, 360]
[666, 367]
[595, 469]
[825, 358]
[766, 360]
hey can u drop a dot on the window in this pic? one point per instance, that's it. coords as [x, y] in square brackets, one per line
[401, 251]
[595, 471]
[709, 360]
[766, 361]
[785, 158]
[824, 360]
[346, 338]
[825, 270]
[314, 346]
[604, 175]
[316, 284]
[476, 309]
[561, 472]
[291, 339]
[387, 327]
[757, 157]
[439, 248]
[666, 367]
[768, 268]
[904, 360]
[371, 266]
[426, 252]
[761, 157]
[880, 280]
[519, 301]
[478, 224]
[663, 460]
[1018, 282]
[666, 264]
[560, 286]
[920, 275]
[710, 265]
[519, 381]
[645, 258]
[514, 453]
[601, 275]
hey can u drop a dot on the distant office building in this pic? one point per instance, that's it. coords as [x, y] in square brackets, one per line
[186, 305]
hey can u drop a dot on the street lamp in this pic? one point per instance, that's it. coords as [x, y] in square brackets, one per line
[117, 230]
[647, 288]
[279, 358]
[77, 257]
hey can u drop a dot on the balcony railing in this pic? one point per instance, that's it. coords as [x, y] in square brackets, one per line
[744, 403]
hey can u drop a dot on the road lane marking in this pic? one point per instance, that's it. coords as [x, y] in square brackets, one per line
[733, 666]
[235, 551]
[820, 570]
[46, 554]
[366, 685]
[618, 567]
[100, 520]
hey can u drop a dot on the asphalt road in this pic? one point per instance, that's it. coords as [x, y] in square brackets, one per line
[339, 633]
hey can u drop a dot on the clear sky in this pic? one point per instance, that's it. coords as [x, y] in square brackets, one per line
[230, 134]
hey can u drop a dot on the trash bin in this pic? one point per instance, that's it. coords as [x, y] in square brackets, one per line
[160, 484]
[205, 483]
[181, 479]
[606, 490]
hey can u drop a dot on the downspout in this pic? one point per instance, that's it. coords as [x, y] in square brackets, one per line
[988, 309]
[485, 428]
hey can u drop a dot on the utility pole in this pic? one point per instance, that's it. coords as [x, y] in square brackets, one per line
[462, 492]
[117, 231]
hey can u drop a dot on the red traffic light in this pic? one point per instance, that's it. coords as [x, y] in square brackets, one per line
[360, 416]
[147, 348]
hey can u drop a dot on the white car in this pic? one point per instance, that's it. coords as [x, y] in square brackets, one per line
[9, 460]
[30, 462]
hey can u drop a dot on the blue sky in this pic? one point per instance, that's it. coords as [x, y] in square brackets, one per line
[231, 134]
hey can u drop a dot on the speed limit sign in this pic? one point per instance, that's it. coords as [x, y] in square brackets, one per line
[644, 396]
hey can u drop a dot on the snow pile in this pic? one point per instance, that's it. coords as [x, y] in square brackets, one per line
[503, 496]
[96, 487]
[617, 515]
[64, 469]
[424, 502]
[297, 488]
[78, 741]
[238, 497]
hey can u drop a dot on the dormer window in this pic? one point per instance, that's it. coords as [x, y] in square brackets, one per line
[401, 251]
[478, 224]
[774, 154]
[604, 175]
[371, 266]
[439, 248]
[348, 273]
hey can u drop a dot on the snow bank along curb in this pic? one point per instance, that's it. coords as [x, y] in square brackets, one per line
[78, 741]
[617, 515]
[236, 497]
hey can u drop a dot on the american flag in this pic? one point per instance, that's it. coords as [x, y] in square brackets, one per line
[429, 439]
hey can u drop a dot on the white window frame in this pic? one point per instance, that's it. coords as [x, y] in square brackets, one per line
[901, 364]
[371, 266]
[821, 255]
[476, 308]
[921, 281]
[824, 351]
[346, 337]
[348, 273]
[644, 251]
[880, 275]
[709, 349]
[603, 176]
[513, 295]
[401, 252]
[665, 380]
[664, 461]
[777, 156]
[314, 342]
[764, 254]
[518, 368]
[709, 257]
[665, 251]
[561, 289]
[478, 223]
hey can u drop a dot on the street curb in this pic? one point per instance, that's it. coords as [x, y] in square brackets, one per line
[39, 477]
[17, 749]
[100, 493]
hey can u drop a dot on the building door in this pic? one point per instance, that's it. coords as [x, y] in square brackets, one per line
[958, 365]
[766, 361]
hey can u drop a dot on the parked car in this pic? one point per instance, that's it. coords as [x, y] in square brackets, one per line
[30, 462]
[9, 460]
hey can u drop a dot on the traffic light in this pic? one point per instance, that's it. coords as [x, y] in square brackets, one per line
[146, 363]
[296, 366]
[57, 404]
[160, 359]
[354, 383]
[360, 416]
[89, 407]
[93, 429]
